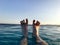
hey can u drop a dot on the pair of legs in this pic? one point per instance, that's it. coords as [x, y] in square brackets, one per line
[24, 25]
[36, 26]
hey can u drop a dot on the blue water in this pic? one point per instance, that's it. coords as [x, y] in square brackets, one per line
[11, 34]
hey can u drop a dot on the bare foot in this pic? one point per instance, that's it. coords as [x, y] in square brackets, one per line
[24, 26]
[36, 27]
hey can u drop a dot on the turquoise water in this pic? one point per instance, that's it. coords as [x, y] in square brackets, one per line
[11, 34]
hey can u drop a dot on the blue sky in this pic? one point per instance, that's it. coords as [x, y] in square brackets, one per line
[46, 11]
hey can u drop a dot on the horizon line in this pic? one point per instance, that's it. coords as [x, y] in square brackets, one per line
[29, 24]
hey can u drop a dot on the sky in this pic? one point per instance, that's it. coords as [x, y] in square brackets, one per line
[45, 11]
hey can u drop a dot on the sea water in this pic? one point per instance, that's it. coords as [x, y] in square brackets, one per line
[10, 34]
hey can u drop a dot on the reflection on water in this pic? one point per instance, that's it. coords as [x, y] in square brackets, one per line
[11, 35]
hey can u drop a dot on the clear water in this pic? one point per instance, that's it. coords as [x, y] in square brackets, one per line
[11, 34]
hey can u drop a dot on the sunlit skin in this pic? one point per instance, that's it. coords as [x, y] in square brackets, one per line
[36, 26]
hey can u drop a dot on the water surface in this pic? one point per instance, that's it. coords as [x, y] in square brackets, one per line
[11, 34]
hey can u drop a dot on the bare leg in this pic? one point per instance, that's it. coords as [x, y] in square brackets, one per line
[24, 26]
[38, 40]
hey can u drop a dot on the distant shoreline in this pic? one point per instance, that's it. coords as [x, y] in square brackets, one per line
[29, 24]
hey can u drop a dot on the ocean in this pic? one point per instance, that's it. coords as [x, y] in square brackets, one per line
[10, 34]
